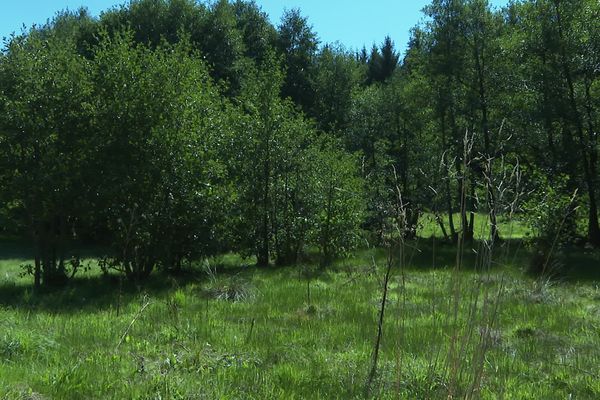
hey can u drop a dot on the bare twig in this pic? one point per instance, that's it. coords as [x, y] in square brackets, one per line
[145, 305]
[377, 345]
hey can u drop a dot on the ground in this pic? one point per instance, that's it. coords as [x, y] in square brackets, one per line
[240, 332]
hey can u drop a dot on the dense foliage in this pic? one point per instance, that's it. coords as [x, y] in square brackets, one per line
[171, 130]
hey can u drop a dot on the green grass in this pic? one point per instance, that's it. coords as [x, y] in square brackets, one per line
[513, 228]
[193, 341]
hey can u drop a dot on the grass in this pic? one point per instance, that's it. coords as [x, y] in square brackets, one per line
[508, 228]
[247, 333]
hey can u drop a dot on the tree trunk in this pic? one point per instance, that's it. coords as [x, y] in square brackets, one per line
[479, 55]
[585, 146]
[262, 257]
[593, 226]
[449, 208]
[466, 233]
[326, 237]
[37, 273]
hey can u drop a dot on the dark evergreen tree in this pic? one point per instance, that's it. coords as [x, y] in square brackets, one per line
[389, 59]
[382, 62]
[374, 66]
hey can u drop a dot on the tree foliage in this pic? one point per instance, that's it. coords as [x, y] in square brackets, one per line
[172, 130]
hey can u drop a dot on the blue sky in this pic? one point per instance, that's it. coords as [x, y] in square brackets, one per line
[353, 23]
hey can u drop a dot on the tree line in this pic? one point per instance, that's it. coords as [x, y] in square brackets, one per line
[171, 130]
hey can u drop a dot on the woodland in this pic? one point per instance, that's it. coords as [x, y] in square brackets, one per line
[197, 203]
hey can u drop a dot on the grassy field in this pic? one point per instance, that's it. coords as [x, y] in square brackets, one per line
[247, 333]
[513, 228]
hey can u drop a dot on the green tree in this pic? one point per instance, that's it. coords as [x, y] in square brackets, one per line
[548, 45]
[339, 201]
[370, 134]
[153, 21]
[298, 45]
[382, 62]
[336, 76]
[282, 177]
[223, 44]
[446, 63]
[374, 66]
[161, 184]
[258, 34]
[44, 128]
[262, 119]
[483, 115]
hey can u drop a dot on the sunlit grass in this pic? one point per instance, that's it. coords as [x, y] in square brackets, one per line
[273, 342]
[509, 228]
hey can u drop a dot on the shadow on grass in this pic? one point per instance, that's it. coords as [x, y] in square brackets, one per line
[92, 293]
[581, 265]
[95, 292]
[426, 254]
[578, 264]
[429, 254]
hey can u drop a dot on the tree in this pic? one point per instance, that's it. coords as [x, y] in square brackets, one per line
[286, 176]
[382, 62]
[271, 170]
[159, 129]
[259, 36]
[45, 145]
[336, 76]
[481, 29]
[340, 201]
[389, 59]
[548, 43]
[222, 43]
[569, 42]
[374, 66]
[446, 63]
[153, 21]
[370, 134]
[298, 44]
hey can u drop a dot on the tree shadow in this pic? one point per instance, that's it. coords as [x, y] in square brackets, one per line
[581, 265]
[577, 263]
[91, 293]
[432, 254]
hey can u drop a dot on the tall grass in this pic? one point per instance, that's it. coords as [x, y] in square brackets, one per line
[192, 343]
[470, 307]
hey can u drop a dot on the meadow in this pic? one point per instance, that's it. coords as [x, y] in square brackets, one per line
[255, 213]
[229, 330]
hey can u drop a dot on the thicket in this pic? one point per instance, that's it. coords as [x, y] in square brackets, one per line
[171, 130]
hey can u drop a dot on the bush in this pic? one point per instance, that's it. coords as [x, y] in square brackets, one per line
[551, 214]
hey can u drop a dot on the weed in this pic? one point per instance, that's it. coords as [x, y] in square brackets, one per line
[10, 348]
[234, 289]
